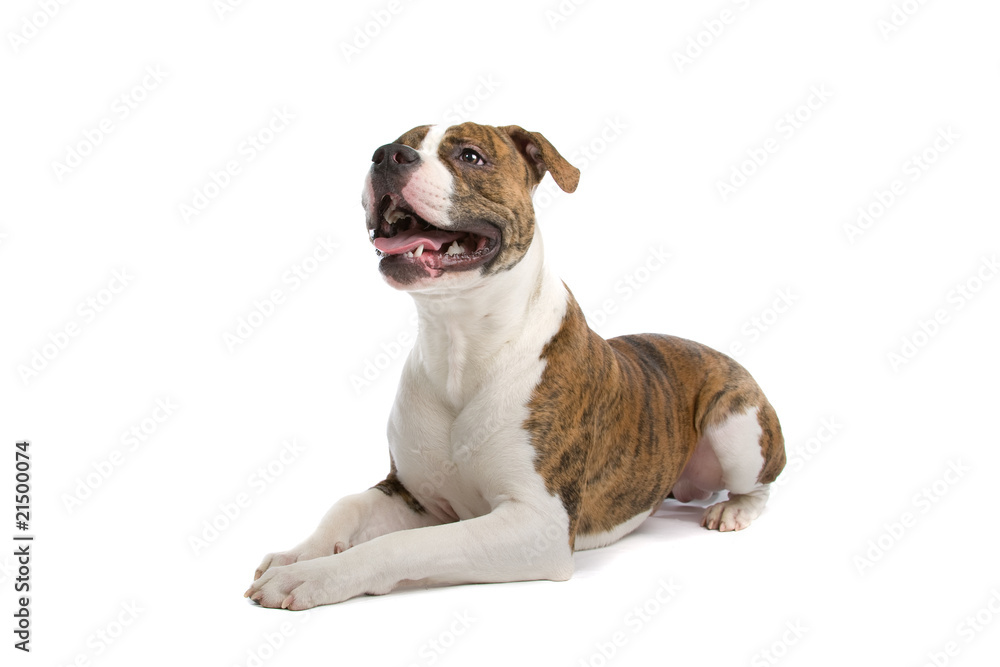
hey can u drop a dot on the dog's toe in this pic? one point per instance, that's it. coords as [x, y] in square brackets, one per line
[736, 513]
[281, 558]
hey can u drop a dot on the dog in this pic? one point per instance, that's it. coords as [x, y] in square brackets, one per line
[518, 435]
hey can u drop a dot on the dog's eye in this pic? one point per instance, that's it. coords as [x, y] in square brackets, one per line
[472, 157]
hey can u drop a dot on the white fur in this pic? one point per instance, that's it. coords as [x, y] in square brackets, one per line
[430, 188]
[466, 385]
[456, 435]
[736, 444]
[595, 540]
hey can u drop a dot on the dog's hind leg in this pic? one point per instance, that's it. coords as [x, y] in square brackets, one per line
[750, 453]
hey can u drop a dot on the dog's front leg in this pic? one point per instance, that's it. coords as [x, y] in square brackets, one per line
[353, 520]
[514, 542]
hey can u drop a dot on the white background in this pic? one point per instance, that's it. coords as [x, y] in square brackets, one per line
[660, 135]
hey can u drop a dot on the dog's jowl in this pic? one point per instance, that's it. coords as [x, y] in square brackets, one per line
[518, 435]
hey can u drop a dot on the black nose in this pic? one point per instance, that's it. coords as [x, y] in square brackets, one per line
[395, 156]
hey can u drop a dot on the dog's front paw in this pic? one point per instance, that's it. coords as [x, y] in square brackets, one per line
[297, 586]
[296, 555]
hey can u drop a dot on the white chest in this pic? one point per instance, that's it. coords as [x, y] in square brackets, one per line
[461, 463]
[458, 438]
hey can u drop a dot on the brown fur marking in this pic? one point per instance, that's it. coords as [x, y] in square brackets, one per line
[614, 422]
[772, 444]
[499, 192]
[391, 486]
[414, 137]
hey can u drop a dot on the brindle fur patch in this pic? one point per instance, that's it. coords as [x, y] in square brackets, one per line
[498, 192]
[413, 138]
[391, 486]
[614, 422]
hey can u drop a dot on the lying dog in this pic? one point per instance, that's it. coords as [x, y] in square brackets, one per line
[518, 435]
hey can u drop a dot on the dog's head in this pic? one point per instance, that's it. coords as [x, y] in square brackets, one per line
[447, 206]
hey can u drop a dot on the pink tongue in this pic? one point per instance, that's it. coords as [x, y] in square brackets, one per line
[409, 240]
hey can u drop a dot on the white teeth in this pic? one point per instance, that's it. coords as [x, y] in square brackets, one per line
[419, 251]
[408, 254]
[455, 248]
[393, 215]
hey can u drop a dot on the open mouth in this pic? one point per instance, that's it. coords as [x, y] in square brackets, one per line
[401, 236]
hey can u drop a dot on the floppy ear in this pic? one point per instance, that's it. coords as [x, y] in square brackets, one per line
[542, 156]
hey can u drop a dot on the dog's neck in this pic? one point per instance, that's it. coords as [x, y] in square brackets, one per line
[462, 334]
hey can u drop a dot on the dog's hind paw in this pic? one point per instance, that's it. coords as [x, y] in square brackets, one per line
[736, 513]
